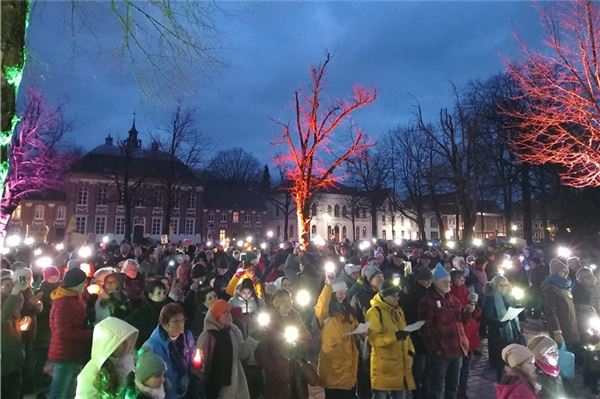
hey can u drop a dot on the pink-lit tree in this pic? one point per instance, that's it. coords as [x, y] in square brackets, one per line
[559, 122]
[36, 165]
[314, 153]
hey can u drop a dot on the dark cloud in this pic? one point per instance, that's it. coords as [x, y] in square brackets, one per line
[403, 49]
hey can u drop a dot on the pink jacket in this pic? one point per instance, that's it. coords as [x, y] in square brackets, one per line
[515, 389]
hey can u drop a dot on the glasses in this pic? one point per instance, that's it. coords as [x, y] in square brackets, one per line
[177, 322]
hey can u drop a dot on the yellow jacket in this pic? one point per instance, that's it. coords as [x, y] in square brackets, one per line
[391, 360]
[338, 357]
[230, 290]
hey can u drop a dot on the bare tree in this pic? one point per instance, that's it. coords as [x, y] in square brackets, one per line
[282, 200]
[235, 167]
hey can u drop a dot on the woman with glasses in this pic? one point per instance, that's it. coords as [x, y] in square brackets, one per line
[175, 346]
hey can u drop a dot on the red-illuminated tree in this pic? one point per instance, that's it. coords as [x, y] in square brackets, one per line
[560, 123]
[314, 153]
[36, 165]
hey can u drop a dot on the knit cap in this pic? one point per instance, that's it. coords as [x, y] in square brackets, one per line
[515, 355]
[218, 307]
[6, 274]
[557, 265]
[50, 271]
[148, 365]
[350, 268]
[338, 285]
[583, 273]
[540, 345]
[371, 271]
[440, 272]
[573, 262]
[388, 288]
[249, 259]
[423, 273]
[73, 278]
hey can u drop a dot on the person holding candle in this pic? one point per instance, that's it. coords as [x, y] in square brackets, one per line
[221, 348]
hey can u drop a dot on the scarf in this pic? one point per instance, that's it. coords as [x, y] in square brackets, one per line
[500, 312]
[177, 354]
[560, 282]
[552, 371]
[221, 366]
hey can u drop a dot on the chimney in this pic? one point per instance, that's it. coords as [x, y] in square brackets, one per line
[108, 140]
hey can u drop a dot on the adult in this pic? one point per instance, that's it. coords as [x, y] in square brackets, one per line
[71, 339]
[133, 282]
[112, 301]
[350, 274]
[150, 266]
[586, 290]
[223, 346]
[113, 345]
[204, 298]
[519, 381]
[175, 346]
[145, 317]
[391, 347]
[443, 335]
[338, 356]
[496, 303]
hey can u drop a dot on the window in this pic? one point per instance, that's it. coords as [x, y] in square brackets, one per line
[383, 218]
[156, 226]
[313, 210]
[211, 216]
[402, 233]
[139, 221]
[222, 233]
[357, 236]
[190, 226]
[384, 234]
[313, 229]
[38, 212]
[191, 201]
[364, 231]
[344, 232]
[235, 217]
[82, 196]
[258, 217]
[247, 217]
[174, 227]
[329, 232]
[101, 196]
[329, 210]
[158, 200]
[344, 211]
[291, 235]
[336, 211]
[61, 212]
[119, 225]
[401, 220]
[278, 231]
[433, 222]
[80, 224]
[435, 235]
[17, 213]
[224, 217]
[100, 226]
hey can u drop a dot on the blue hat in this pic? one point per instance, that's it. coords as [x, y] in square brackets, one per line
[440, 272]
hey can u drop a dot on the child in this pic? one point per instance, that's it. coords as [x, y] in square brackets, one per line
[545, 352]
[520, 379]
[150, 376]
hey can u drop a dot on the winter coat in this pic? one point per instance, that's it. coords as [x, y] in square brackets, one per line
[235, 280]
[150, 269]
[31, 308]
[410, 306]
[241, 350]
[145, 320]
[219, 283]
[117, 305]
[443, 332]
[279, 370]
[108, 336]
[71, 340]
[134, 289]
[361, 301]
[243, 312]
[42, 337]
[391, 359]
[583, 295]
[515, 388]
[197, 325]
[560, 312]
[551, 387]
[159, 344]
[338, 357]
[472, 326]
[12, 355]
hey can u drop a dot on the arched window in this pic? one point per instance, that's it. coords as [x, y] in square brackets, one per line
[329, 210]
[291, 235]
[278, 231]
[329, 232]
[336, 211]
[364, 232]
[313, 230]
[357, 236]
[344, 232]
[313, 210]
[344, 211]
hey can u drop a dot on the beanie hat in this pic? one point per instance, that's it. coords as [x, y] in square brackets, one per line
[351, 268]
[388, 288]
[515, 355]
[73, 264]
[279, 282]
[278, 297]
[540, 345]
[573, 262]
[50, 271]
[583, 272]
[18, 265]
[440, 272]
[423, 273]
[198, 271]
[249, 259]
[73, 278]
[218, 307]
[371, 271]
[148, 365]
[102, 273]
[557, 265]
[6, 273]
[473, 297]
[338, 285]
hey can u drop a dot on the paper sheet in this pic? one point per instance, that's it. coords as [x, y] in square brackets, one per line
[414, 326]
[511, 313]
[361, 329]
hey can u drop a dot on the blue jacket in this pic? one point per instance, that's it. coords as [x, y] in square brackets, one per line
[159, 344]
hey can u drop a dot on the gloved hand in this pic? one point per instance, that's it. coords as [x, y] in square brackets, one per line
[401, 335]
[239, 272]
[558, 337]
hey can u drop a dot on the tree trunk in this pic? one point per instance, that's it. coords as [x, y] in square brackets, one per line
[526, 193]
[286, 222]
[302, 204]
[544, 205]
[373, 210]
[128, 221]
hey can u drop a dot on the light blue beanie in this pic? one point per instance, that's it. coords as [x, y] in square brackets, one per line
[440, 272]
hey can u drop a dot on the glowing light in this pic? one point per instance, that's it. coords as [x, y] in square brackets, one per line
[318, 241]
[43, 262]
[514, 227]
[302, 298]
[37, 252]
[86, 268]
[263, 245]
[342, 259]
[270, 234]
[171, 262]
[4, 250]
[209, 243]
[506, 264]
[60, 246]
[329, 267]
[198, 359]
[518, 293]
[85, 252]
[13, 241]
[29, 241]
[374, 240]
[477, 242]
[429, 244]
[223, 243]
[364, 245]
[105, 239]
[564, 252]
[501, 272]
[93, 289]
[593, 267]
[263, 319]
[281, 246]
[240, 243]
[291, 334]
[249, 239]
[521, 258]
[451, 244]
[24, 323]
[398, 241]
[396, 280]
[512, 240]
[594, 323]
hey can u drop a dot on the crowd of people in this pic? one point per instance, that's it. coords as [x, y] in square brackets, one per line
[363, 321]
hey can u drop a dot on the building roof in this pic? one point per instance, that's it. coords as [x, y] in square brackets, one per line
[232, 197]
[47, 195]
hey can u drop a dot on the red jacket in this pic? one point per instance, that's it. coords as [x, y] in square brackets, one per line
[471, 327]
[71, 341]
[443, 332]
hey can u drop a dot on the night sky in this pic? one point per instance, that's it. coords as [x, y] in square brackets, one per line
[403, 49]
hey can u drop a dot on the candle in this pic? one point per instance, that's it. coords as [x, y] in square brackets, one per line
[93, 289]
[198, 359]
[24, 323]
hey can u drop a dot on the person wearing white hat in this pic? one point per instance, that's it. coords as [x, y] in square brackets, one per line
[519, 381]
[350, 274]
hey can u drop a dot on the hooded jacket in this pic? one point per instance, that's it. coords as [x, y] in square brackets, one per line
[391, 359]
[515, 388]
[241, 350]
[109, 334]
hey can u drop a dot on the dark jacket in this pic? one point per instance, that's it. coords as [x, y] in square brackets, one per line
[71, 340]
[552, 387]
[410, 305]
[361, 301]
[42, 337]
[145, 319]
[12, 355]
[560, 312]
[134, 289]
